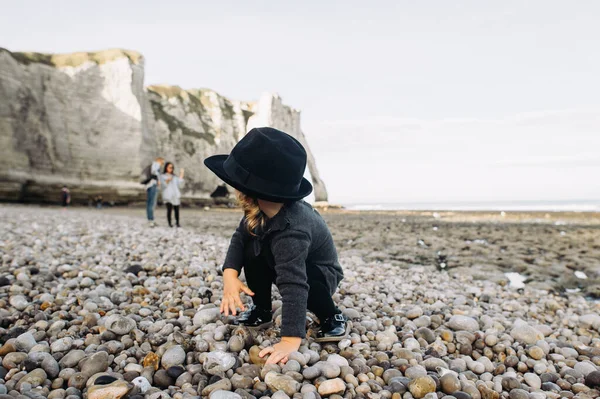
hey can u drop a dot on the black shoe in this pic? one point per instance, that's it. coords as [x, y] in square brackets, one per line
[334, 328]
[255, 318]
[178, 226]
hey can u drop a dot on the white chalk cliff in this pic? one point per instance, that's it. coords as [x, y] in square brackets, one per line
[86, 120]
[270, 111]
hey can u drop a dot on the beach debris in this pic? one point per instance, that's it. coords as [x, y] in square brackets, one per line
[581, 275]
[516, 280]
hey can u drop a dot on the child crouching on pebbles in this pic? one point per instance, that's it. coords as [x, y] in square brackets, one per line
[281, 239]
[171, 195]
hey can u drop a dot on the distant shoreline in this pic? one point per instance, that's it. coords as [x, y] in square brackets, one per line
[435, 217]
[500, 206]
[465, 208]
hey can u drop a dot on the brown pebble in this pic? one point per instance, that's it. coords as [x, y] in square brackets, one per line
[511, 361]
[535, 352]
[466, 349]
[151, 360]
[114, 390]
[447, 335]
[8, 347]
[57, 383]
[421, 386]
[332, 387]
[254, 358]
[487, 393]
[90, 320]
[501, 369]
[449, 383]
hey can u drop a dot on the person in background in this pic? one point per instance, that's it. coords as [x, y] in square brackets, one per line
[152, 189]
[65, 197]
[99, 202]
[171, 194]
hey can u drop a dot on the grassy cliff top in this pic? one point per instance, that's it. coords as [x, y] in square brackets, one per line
[167, 91]
[74, 59]
[176, 91]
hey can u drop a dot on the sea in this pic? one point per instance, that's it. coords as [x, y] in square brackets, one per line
[513, 206]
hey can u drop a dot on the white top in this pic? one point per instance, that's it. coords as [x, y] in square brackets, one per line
[170, 189]
[154, 170]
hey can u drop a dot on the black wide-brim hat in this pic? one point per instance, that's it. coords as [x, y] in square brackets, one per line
[267, 164]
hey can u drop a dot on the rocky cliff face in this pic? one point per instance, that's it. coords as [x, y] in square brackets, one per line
[190, 125]
[270, 111]
[70, 119]
[85, 120]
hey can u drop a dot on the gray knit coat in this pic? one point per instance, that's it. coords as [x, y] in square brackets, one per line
[298, 238]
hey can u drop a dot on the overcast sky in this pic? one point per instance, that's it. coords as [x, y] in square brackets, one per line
[401, 100]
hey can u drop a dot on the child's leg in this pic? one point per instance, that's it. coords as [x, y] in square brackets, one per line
[169, 209]
[176, 214]
[319, 301]
[259, 277]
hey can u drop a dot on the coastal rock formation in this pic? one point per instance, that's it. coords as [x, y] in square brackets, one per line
[72, 119]
[270, 111]
[86, 120]
[190, 125]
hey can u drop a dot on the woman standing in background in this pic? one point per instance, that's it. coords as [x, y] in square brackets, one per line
[171, 194]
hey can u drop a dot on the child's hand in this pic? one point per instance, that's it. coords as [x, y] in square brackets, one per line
[232, 286]
[280, 351]
[181, 173]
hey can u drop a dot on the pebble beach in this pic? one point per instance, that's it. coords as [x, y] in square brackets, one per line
[95, 304]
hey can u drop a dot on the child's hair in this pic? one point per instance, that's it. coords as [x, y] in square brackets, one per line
[167, 167]
[159, 159]
[254, 216]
